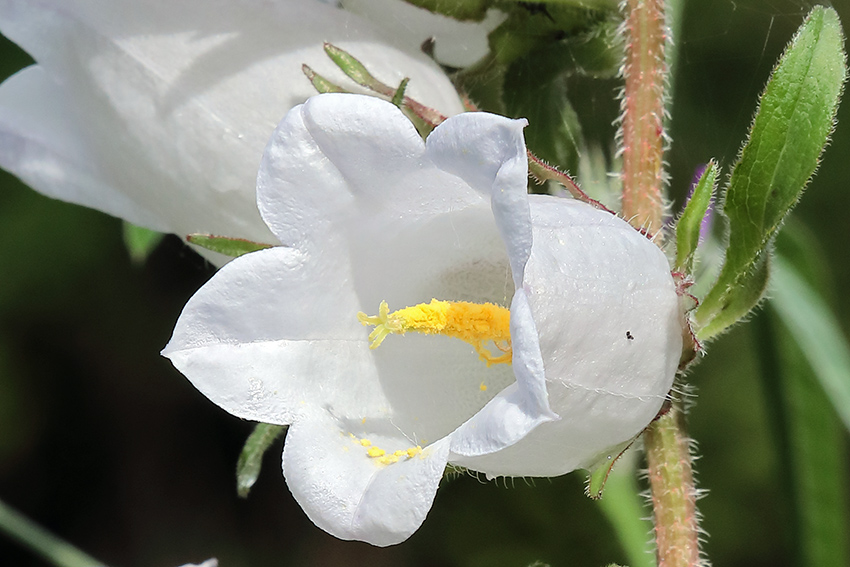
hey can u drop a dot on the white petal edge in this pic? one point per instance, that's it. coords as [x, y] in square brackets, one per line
[458, 44]
[353, 496]
[249, 338]
[488, 152]
[518, 409]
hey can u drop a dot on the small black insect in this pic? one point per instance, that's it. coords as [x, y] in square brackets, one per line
[629, 335]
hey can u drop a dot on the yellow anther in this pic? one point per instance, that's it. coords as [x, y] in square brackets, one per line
[413, 451]
[375, 452]
[389, 460]
[474, 323]
[365, 442]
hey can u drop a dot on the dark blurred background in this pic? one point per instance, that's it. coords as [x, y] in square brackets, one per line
[105, 444]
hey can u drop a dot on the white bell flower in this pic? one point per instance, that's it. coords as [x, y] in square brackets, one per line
[456, 43]
[157, 111]
[370, 216]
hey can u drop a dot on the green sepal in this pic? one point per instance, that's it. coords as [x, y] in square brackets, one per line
[321, 84]
[233, 247]
[398, 97]
[140, 241]
[598, 475]
[251, 458]
[795, 117]
[689, 224]
[355, 70]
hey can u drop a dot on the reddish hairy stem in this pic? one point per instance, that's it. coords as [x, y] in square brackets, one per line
[643, 114]
[667, 445]
[541, 171]
[671, 483]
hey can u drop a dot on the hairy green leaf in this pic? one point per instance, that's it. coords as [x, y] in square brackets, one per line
[233, 247]
[689, 224]
[749, 289]
[795, 117]
[251, 459]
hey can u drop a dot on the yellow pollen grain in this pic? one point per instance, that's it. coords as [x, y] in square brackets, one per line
[474, 323]
[413, 451]
[365, 442]
[375, 452]
[483, 387]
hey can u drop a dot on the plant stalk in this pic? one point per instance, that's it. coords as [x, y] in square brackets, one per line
[40, 541]
[643, 105]
[671, 482]
[666, 442]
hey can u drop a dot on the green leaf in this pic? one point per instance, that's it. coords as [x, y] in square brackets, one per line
[813, 326]
[591, 4]
[553, 132]
[749, 290]
[597, 53]
[457, 9]
[815, 450]
[251, 459]
[809, 433]
[795, 117]
[624, 507]
[140, 241]
[233, 247]
[689, 224]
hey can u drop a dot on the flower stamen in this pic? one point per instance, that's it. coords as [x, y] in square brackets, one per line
[474, 323]
[382, 457]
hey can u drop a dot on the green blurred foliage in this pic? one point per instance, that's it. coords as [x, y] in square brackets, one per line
[109, 447]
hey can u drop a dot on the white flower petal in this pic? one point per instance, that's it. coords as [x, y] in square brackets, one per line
[351, 495]
[39, 141]
[593, 282]
[208, 563]
[458, 44]
[263, 323]
[354, 165]
[171, 103]
[488, 152]
[518, 409]
[307, 177]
